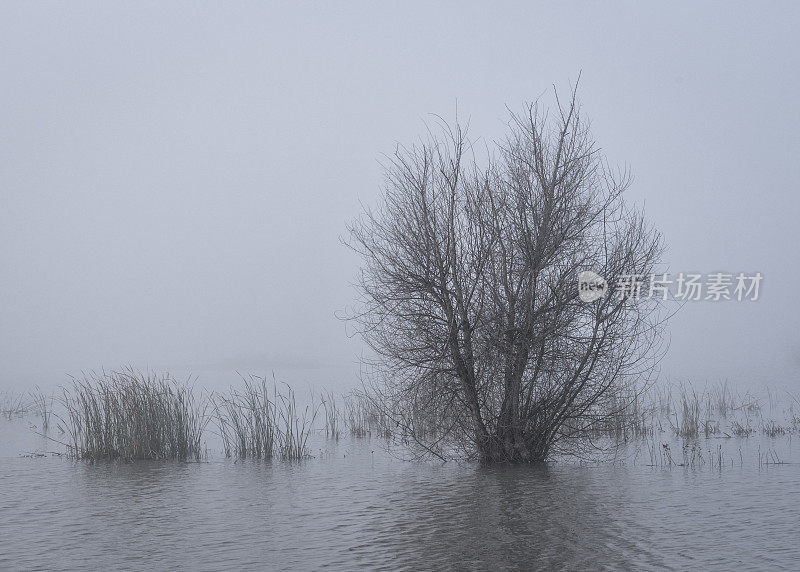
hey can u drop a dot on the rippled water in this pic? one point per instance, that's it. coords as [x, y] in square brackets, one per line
[350, 507]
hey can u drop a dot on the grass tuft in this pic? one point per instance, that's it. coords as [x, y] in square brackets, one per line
[131, 415]
[259, 422]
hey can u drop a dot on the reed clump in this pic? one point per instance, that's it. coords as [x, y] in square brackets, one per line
[12, 404]
[364, 418]
[623, 414]
[296, 426]
[689, 424]
[131, 415]
[247, 419]
[739, 429]
[772, 429]
[333, 416]
[43, 406]
[259, 422]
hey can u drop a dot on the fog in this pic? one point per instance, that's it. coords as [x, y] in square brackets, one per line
[175, 178]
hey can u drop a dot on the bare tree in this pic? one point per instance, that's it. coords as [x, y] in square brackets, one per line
[469, 296]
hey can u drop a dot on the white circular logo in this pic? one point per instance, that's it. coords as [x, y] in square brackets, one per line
[591, 286]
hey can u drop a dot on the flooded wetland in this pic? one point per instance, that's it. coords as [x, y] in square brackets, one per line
[659, 495]
[399, 286]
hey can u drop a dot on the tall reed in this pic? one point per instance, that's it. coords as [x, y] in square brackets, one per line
[332, 416]
[295, 428]
[12, 404]
[259, 422]
[363, 418]
[131, 415]
[43, 405]
[247, 419]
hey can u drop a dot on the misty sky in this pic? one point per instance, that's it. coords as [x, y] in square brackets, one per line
[174, 178]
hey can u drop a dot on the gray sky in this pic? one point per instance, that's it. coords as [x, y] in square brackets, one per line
[174, 177]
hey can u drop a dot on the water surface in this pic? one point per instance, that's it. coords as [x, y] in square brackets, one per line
[352, 506]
